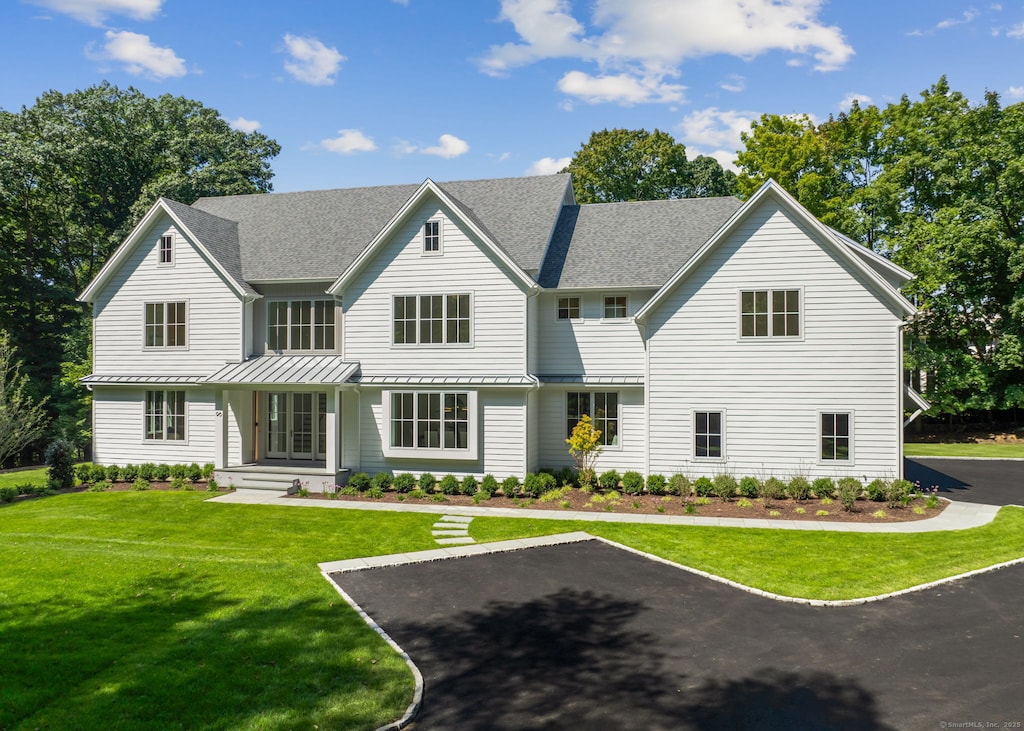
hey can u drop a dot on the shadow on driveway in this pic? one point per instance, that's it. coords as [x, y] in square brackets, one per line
[586, 635]
[980, 481]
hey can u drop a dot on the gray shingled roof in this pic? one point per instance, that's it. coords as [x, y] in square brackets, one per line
[317, 234]
[636, 244]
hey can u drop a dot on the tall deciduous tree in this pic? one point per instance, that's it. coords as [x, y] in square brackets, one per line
[22, 419]
[636, 165]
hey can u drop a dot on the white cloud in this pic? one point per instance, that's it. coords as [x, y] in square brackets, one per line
[1016, 31]
[349, 141]
[715, 133]
[847, 101]
[620, 88]
[244, 125]
[140, 56]
[649, 39]
[735, 83]
[548, 166]
[311, 61]
[448, 146]
[967, 17]
[94, 12]
[1015, 92]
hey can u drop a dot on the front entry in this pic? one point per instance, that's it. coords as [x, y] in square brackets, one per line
[296, 425]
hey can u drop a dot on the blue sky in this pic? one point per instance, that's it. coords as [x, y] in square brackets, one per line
[368, 92]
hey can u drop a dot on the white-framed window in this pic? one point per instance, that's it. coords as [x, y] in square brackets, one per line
[708, 435]
[300, 325]
[836, 436]
[615, 306]
[432, 319]
[439, 424]
[432, 243]
[770, 313]
[165, 415]
[166, 325]
[568, 308]
[603, 409]
[166, 256]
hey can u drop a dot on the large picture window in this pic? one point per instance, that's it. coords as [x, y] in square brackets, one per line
[708, 437]
[300, 325]
[603, 409]
[165, 415]
[836, 431]
[166, 325]
[430, 420]
[770, 313]
[431, 319]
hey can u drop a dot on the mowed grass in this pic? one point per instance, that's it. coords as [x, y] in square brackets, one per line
[796, 563]
[966, 449]
[13, 478]
[156, 610]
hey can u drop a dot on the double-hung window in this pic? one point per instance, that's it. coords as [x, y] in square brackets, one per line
[166, 249]
[431, 421]
[432, 237]
[603, 409]
[431, 319]
[165, 415]
[836, 433]
[300, 325]
[770, 313]
[166, 325]
[708, 435]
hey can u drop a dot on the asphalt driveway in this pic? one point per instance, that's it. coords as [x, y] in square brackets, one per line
[587, 636]
[985, 481]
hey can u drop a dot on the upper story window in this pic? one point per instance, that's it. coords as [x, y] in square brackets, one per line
[603, 409]
[432, 237]
[166, 249]
[431, 319]
[615, 306]
[568, 308]
[166, 325]
[300, 325]
[770, 313]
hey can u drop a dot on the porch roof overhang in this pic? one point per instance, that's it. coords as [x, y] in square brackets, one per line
[497, 380]
[286, 370]
[593, 380]
[128, 380]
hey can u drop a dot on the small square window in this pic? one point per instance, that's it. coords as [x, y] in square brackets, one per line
[614, 307]
[835, 437]
[432, 237]
[167, 249]
[568, 308]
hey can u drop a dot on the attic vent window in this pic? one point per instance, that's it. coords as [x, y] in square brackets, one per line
[432, 237]
[167, 249]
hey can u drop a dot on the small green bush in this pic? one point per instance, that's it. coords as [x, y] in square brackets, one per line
[193, 473]
[427, 482]
[83, 472]
[26, 488]
[179, 483]
[772, 489]
[704, 487]
[360, 481]
[750, 487]
[481, 495]
[140, 484]
[162, 472]
[100, 486]
[208, 469]
[113, 473]
[848, 489]
[129, 472]
[212, 486]
[632, 482]
[609, 480]
[179, 471]
[656, 484]
[876, 490]
[799, 488]
[381, 481]
[680, 485]
[417, 494]
[8, 493]
[147, 471]
[449, 485]
[725, 487]
[376, 492]
[567, 476]
[823, 487]
[97, 472]
[510, 486]
[60, 456]
[897, 493]
[404, 482]
[489, 484]
[469, 485]
[533, 485]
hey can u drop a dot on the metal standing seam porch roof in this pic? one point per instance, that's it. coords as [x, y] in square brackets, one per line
[296, 370]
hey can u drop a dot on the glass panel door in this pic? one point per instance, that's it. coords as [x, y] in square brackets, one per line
[277, 425]
[302, 425]
[296, 425]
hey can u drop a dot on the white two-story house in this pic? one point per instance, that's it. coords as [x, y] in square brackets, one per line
[465, 327]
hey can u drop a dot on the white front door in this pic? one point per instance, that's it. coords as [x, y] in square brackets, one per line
[296, 425]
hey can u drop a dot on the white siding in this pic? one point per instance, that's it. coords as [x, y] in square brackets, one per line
[118, 428]
[238, 412]
[214, 311]
[627, 455]
[772, 389]
[590, 345]
[400, 268]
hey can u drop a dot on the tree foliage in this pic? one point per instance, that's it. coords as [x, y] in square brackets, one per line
[937, 185]
[637, 165]
[22, 418]
[584, 448]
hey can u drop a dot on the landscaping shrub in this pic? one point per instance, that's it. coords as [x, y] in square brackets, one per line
[427, 482]
[129, 472]
[381, 481]
[632, 482]
[208, 469]
[113, 473]
[567, 476]
[725, 487]
[404, 482]
[489, 484]
[876, 490]
[799, 488]
[211, 485]
[481, 495]
[533, 485]
[469, 485]
[97, 472]
[360, 481]
[147, 471]
[848, 490]
[26, 488]
[510, 486]
[680, 485]
[60, 456]
[449, 485]
[8, 493]
[376, 492]
[100, 486]
[162, 472]
[898, 493]
[750, 487]
[178, 483]
[823, 487]
[656, 484]
[772, 489]
[609, 480]
[83, 472]
[193, 473]
[140, 484]
[179, 471]
[704, 487]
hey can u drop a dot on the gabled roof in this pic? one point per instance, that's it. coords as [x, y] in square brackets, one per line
[826, 236]
[636, 244]
[214, 237]
[319, 234]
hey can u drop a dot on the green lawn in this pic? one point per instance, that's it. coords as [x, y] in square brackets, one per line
[14, 478]
[966, 449]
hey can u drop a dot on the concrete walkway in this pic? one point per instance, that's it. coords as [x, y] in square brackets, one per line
[956, 516]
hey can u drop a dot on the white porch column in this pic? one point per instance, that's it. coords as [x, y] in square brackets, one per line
[220, 438]
[333, 442]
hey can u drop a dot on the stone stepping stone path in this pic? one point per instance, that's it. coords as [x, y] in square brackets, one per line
[452, 530]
